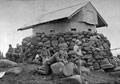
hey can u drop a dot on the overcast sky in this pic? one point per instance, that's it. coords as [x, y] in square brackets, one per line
[18, 13]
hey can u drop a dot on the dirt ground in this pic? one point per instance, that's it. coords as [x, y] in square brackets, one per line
[27, 77]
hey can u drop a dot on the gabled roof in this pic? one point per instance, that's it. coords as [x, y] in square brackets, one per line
[67, 12]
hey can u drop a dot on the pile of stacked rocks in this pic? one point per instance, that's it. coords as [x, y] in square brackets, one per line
[95, 47]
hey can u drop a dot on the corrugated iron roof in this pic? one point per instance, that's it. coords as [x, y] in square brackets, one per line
[55, 15]
[61, 13]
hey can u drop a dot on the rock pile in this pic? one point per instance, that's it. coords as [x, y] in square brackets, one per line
[95, 47]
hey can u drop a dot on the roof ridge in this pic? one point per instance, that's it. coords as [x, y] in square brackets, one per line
[64, 8]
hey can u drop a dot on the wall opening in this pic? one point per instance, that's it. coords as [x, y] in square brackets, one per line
[90, 30]
[73, 29]
[52, 31]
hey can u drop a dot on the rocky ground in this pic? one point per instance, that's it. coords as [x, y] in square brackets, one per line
[27, 77]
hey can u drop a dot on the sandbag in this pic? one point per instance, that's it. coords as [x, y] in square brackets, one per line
[87, 48]
[88, 56]
[85, 44]
[105, 64]
[63, 46]
[96, 65]
[99, 57]
[75, 35]
[34, 40]
[106, 45]
[61, 40]
[47, 44]
[80, 63]
[44, 39]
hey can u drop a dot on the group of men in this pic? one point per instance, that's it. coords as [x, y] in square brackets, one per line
[15, 54]
[63, 56]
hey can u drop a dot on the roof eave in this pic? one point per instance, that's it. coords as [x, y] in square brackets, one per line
[27, 27]
[32, 26]
[99, 26]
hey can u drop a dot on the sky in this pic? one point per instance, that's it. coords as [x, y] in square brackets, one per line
[15, 14]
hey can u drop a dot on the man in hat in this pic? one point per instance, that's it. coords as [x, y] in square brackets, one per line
[18, 53]
[59, 56]
[29, 53]
[72, 56]
[63, 46]
[77, 47]
[45, 53]
[9, 54]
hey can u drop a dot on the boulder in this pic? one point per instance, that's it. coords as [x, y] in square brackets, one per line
[99, 57]
[44, 39]
[2, 74]
[96, 65]
[15, 70]
[105, 64]
[88, 56]
[117, 68]
[61, 40]
[84, 70]
[75, 79]
[7, 63]
[54, 43]
[81, 63]
[56, 68]
[68, 69]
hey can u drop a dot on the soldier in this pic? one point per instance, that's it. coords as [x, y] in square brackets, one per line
[45, 54]
[59, 56]
[18, 53]
[9, 54]
[27, 54]
[63, 46]
[1, 55]
[77, 48]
